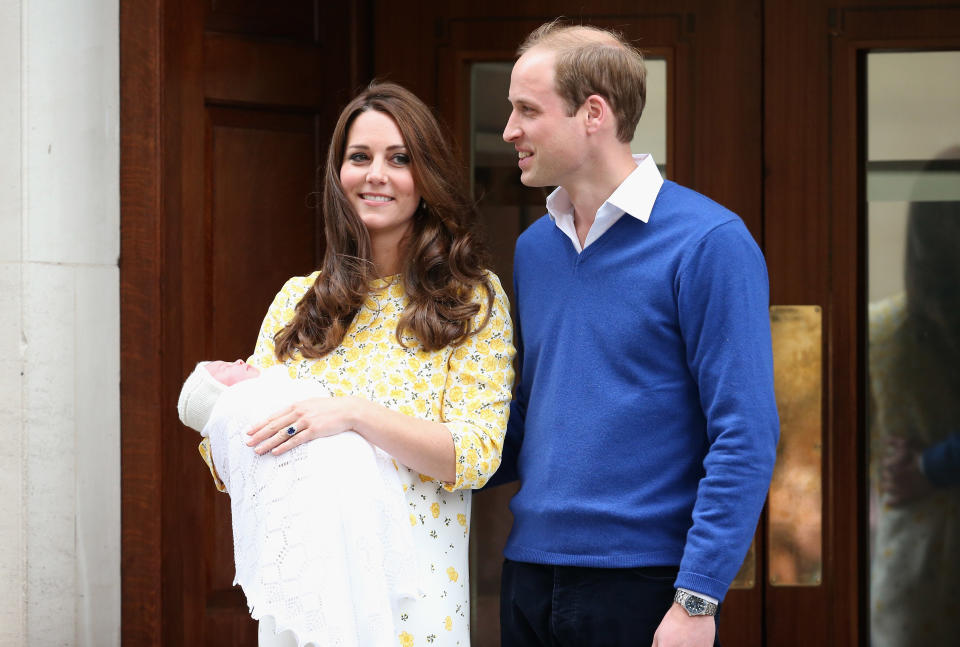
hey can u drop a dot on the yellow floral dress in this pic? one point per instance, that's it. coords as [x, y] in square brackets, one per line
[915, 568]
[467, 387]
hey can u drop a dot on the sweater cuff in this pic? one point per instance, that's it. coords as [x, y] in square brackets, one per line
[706, 597]
[701, 585]
[941, 462]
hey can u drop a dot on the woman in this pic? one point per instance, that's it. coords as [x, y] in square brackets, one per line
[914, 423]
[410, 334]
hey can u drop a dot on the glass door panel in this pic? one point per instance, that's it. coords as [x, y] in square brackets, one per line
[913, 357]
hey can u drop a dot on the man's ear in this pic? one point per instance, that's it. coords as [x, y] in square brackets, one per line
[596, 113]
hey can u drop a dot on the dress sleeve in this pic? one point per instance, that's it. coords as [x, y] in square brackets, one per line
[204, 449]
[512, 442]
[476, 399]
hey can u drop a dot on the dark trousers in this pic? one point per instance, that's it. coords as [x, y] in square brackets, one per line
[561, 606]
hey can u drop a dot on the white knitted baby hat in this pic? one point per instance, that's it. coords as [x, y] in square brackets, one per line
[199, 393]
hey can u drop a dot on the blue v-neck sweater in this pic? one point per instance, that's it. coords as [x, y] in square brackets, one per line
[645, 428]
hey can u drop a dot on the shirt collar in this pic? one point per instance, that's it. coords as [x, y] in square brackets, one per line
[635, 195]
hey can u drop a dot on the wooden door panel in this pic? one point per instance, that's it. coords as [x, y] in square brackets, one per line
[289, 20]
[248, 70]
[263, 228]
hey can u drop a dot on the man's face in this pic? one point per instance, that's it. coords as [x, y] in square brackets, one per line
[229, 373]
[549, 142]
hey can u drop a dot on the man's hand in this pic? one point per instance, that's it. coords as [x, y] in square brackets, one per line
[901, 479]
[677, 629]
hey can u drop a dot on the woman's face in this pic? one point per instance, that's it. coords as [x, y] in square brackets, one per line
[376, 177]
[229, 373]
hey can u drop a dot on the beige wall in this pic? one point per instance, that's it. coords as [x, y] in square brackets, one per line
[59, 323]
[913, 113]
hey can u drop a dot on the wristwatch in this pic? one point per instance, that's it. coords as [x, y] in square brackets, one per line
[694, 605]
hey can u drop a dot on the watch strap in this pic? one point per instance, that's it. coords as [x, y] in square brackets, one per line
[694, 605]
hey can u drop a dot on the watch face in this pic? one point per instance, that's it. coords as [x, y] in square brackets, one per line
[695, 605]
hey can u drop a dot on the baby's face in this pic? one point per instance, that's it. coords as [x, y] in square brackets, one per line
[229, 373]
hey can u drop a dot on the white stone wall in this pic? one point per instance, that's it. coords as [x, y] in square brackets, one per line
[59, 323]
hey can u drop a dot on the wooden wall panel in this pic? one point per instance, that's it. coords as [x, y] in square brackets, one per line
[140, 329]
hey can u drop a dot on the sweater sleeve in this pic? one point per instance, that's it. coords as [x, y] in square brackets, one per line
[941, 461]
[477, 393]
[723, 304]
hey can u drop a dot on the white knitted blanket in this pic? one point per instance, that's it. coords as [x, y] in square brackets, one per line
[322, 539]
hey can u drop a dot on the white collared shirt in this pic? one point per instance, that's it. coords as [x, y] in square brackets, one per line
[635, 197]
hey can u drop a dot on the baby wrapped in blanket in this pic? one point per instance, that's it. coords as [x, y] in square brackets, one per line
[322, 541]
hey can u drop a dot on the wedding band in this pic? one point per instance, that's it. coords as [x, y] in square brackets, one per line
[291, 431]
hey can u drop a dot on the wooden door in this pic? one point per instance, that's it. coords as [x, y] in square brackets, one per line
[815, 233]
[227, 108]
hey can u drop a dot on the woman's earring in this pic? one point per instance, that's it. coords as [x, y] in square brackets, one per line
[423, 204]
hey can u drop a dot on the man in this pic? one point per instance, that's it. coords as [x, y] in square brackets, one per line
[644, 429]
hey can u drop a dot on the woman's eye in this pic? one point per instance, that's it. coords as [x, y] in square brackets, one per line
[358, 157]
[401, 159]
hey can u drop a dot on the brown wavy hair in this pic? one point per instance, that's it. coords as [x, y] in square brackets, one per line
[443, 260]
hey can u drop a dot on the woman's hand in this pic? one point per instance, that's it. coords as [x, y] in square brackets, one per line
[304, 421]
[422, 445]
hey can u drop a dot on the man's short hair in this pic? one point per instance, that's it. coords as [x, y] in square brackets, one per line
[590, 60]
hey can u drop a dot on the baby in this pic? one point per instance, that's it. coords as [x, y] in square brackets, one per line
[322, 541]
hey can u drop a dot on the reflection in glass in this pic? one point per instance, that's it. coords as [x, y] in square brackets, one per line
[507, 207]
[913, 222]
